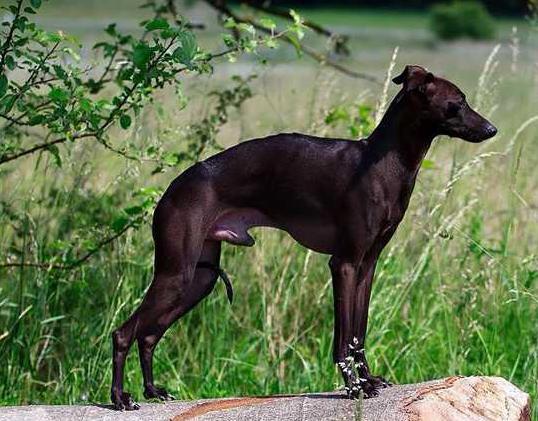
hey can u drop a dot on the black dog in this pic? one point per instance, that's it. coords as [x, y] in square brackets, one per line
[340, 197]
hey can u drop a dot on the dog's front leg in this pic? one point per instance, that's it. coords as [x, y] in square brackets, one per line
[344, 275]
[360, 322]
[360, 313]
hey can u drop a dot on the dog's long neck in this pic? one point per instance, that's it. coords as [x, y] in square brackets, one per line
[402, 136]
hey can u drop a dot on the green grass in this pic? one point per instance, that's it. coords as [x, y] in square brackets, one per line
[456, 291]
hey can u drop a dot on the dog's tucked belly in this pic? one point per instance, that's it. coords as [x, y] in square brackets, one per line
[233, 225]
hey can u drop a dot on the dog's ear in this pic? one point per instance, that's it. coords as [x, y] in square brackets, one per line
[413, 77]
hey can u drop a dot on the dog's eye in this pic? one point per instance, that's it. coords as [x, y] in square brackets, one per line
[452, 110]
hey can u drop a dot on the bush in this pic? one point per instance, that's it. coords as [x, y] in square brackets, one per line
[462, 19]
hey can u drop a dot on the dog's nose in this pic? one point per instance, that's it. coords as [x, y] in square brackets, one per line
[491, 130]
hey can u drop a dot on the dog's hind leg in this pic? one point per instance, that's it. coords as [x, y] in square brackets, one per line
[199, 287]
[162, 305]
[179, 243]
[169, 297]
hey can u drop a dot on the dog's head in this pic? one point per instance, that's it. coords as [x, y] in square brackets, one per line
[444, 105]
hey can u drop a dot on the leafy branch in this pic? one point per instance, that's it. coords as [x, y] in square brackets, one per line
[293, 35]
[67, 105]
[16, 9]
[340, 41]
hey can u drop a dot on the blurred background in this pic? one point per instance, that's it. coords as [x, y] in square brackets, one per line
[456, 290]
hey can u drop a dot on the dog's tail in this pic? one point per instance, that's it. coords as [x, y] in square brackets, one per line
[222, 275]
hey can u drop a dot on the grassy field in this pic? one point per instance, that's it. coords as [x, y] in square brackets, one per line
[456, 290]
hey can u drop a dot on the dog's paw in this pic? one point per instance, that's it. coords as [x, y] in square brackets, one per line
[361, 365]
[152, 392]
[370, 390]
[124, 402]
[378, 381]
[372, 384]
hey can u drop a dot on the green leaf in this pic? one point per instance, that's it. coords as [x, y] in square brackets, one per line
[230, 23]
[141, 55]
[297, 19]
[20, 42]
[35, 3]
[36, 119]
[271, 43]
[125, 74]
[267, 23]
[51, 37]
[10, 63]
[72, 53]
[90, 244]
[250, 45]
[119, 223]
[157, 23]
[29, 10]
[3, 85]
[59, 71]
[247, 27]
[171, 159]
[111, 29]
[169, 33]
[125, 121]
[7, 103]
[85, 105]
[59, 95]
[20, 23]
[295, 42]
[298, 31]
[229, 40]
[186, 52]
[134, 210]
[338, 113]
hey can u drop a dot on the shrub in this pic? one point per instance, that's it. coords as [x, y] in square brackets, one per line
[462, 19]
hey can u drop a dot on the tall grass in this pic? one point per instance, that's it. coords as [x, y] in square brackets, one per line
[456, 290]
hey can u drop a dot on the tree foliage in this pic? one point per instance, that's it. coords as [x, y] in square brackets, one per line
[462, 19]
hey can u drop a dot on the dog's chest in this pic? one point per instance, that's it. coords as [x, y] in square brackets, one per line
[389, 206]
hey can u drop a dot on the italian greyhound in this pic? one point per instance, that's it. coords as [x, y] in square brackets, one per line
[343, 198]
